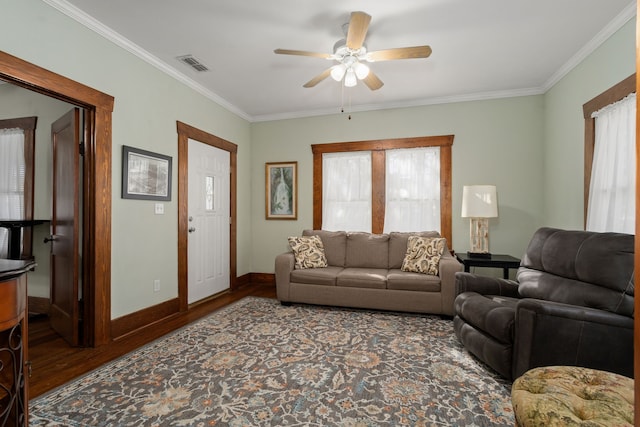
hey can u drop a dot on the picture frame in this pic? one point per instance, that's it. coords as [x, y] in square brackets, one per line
[281, 190]
[145, 175]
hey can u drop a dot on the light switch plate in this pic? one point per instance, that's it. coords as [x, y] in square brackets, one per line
[159, 209]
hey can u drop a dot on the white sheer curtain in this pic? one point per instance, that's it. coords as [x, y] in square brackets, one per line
[612, 188]
[346, 198]
[412, 189]
[12, 171]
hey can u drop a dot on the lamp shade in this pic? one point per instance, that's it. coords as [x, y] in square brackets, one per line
[479, 201]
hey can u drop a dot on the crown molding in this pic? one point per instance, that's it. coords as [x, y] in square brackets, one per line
[479, 96]
[623, 17]
[88, 21]
[109, 34]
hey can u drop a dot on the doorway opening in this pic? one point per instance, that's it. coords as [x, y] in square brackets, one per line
[96, 193]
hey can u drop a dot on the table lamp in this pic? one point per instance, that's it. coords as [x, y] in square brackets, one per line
[479, 202]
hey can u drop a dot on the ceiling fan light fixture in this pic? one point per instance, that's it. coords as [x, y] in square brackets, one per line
[361, 70]
[350, 79]
[337, 72]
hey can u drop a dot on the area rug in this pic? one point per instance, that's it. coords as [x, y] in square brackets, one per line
[257, 363]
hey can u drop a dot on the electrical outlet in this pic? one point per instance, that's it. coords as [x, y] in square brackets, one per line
[156, 285]
[159, 208]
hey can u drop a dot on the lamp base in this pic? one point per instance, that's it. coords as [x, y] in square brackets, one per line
[483, 255]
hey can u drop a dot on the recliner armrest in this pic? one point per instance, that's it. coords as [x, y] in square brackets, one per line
[484, 285]
[551, 333]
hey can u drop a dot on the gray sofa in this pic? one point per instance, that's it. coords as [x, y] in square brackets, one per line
[364, 271]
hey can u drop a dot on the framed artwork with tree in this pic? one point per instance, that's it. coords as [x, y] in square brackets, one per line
[281, 190]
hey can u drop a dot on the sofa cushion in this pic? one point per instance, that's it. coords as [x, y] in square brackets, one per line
[423, 254]
[335, 245]
[366, 250]
[492, 314]
[398, 245]
[308, 252]
[406, 281]
[363, 278]
[316, 276]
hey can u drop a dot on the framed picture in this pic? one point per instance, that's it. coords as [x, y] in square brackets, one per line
[145, 175]
[281, 190]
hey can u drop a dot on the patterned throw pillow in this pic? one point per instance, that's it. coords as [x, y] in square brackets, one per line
[423, 254]
[308, 251]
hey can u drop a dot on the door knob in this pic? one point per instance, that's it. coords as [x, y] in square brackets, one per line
[50, 239]
[191, 229]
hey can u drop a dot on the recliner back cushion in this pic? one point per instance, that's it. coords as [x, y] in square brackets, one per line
[335, 245]
[580, 268]
[366, 250]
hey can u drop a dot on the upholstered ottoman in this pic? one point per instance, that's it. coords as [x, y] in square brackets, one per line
[572, 396]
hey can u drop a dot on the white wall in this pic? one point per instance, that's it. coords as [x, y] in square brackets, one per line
[563, 175]
[147, 104]
[496, 142]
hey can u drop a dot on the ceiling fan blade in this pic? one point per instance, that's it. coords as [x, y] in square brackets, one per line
[317, 79]
[399, 53]
[358, 26]
[372, 81]
[303, 53]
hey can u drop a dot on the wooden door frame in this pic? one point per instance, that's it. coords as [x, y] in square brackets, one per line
[186, 132]
[96, 182]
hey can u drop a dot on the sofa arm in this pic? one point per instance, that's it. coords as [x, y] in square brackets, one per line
[284, 266]
[484, 285]
[549, 333]
[447, 269]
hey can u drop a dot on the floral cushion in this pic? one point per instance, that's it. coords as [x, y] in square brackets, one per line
[308, 252]
[572, 396]
[423, 254]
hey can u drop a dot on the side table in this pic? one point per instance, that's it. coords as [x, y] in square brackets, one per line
[505, 262]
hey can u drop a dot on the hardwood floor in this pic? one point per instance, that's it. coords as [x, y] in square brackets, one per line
[54, 362]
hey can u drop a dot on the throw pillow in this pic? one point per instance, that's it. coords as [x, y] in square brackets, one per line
[423, 254]
[308, 252]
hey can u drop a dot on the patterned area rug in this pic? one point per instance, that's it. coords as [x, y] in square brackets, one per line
[257, 363]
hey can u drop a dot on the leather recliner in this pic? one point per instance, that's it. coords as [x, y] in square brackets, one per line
[571, 304]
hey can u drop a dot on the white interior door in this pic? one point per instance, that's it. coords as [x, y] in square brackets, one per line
[209, 214]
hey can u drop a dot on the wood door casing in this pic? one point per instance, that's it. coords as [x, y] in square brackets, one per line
[97, 192]
[186, 132]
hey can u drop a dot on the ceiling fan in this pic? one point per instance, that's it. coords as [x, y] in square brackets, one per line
[351, 53]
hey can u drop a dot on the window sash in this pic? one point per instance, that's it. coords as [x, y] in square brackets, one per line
[412, 189]
[346, 199]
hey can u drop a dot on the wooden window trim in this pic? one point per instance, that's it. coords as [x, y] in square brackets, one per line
[378, 149]
[28, 125]
[609, 96]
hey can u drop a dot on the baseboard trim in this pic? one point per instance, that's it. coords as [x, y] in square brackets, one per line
[133, 322]
[265, 278]
[130, 323]
[39, 305]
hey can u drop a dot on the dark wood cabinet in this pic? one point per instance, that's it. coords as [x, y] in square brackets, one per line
[13, 342]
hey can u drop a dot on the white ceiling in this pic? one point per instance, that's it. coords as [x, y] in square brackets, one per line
[481, 48]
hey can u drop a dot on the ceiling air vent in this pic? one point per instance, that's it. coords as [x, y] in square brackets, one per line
[193, 62]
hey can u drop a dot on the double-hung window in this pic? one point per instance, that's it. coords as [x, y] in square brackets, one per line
[384, 186]
[610, 169]
[17, 143]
